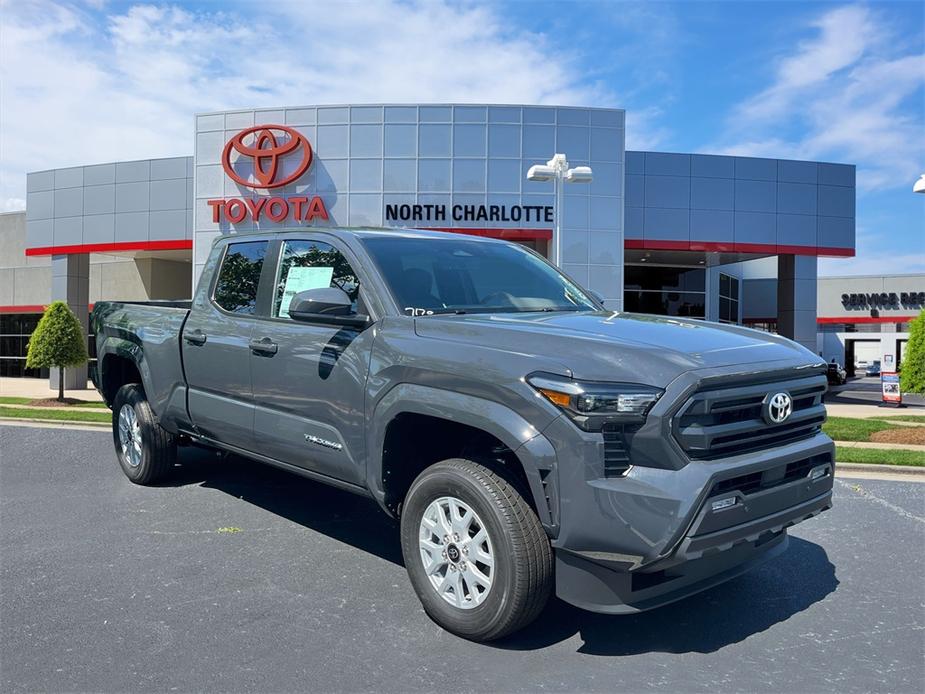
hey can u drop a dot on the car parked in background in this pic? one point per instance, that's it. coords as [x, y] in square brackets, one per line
[836, 374]
[873, 369]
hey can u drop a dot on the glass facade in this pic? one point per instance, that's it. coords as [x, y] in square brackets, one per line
[443, 166]
[665, 290]
[728, 298]
[15, 329]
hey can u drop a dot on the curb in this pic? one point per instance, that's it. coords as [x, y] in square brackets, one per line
[881, 445]
[25, 421]
[910, 470]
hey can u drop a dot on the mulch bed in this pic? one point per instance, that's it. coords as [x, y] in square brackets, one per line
[913, 435]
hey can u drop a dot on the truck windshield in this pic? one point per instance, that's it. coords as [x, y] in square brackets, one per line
[431, 276]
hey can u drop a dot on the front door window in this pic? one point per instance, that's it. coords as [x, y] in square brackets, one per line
[306, 264]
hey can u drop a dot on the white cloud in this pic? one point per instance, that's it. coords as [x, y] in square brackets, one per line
[852, 93]
[78, 87]
[12, 204]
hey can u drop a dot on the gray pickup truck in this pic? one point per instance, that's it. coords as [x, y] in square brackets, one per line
[526, 438]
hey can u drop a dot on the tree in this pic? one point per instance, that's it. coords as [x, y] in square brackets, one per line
[912, 375]
[58, 341]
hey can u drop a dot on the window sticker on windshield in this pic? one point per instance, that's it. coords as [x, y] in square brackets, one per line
[419, 311]
[301, 279]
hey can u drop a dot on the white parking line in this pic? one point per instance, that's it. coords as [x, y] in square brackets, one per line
[858, 489]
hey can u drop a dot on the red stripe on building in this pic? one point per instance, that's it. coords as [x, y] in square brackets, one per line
[732, 247]
[25, 308]
[851, 320]
[30, 308]
[168, 245]
[507, 234]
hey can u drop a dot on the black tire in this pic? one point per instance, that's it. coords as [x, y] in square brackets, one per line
[158, 446]
[523, 573]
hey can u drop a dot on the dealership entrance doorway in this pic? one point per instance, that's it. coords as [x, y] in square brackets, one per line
[859, 354]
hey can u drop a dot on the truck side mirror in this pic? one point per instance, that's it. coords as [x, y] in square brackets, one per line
[325, 306]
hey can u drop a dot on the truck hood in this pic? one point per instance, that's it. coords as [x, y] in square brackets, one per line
[608, 345]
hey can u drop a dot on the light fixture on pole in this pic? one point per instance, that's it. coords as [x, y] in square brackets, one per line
[558, 171]
[919, 186]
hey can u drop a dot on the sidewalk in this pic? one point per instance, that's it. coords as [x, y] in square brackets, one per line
[872, 411]
[37, 388]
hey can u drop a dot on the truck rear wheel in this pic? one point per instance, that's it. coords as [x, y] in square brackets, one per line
[475, 552]
[146, 452]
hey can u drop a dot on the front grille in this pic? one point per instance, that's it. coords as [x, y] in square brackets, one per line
[724, 419]
[616, 458]
[772, 477]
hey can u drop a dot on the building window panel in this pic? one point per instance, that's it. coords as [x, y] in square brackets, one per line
[366, 140]
[401, 140]
[434, 141]
[434, 175]
[469, 140]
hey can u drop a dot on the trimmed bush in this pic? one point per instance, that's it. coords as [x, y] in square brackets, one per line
[912, 374]
[58, 341]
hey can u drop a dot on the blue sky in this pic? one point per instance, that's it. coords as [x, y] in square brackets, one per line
[100, 81]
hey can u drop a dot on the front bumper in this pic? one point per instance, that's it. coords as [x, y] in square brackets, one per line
[652, 537]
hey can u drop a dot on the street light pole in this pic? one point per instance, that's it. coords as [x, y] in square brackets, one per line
[557, 170]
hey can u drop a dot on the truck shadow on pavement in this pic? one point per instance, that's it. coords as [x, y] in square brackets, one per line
[703, 623]
[314, 505]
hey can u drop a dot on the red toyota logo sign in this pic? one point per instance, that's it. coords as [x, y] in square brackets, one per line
[269, 147]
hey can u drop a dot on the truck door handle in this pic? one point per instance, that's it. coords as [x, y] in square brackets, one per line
[264, 346]
[197, 337]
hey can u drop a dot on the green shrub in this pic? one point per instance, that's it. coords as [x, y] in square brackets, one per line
[58, 341]
[912, 374]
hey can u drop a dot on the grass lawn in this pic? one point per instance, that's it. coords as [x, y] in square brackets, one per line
[10, 400]
[879, 456]
[60, 415]
[848, 429]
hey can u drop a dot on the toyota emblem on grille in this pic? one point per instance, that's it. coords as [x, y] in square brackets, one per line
[777, 408]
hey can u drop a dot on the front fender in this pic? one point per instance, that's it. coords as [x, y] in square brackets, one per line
[535, 454]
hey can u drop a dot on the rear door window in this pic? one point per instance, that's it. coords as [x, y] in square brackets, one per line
[239, 277]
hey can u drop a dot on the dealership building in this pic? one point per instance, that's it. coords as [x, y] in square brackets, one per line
[656, 232]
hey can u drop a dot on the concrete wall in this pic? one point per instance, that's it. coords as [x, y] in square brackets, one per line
[687, 198]
[761, 296]
[831, 290]
[369, 156]
[26, 280]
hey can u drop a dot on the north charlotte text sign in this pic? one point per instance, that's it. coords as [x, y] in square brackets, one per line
[468, 213]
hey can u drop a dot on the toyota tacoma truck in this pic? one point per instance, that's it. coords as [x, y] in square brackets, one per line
[528, 440]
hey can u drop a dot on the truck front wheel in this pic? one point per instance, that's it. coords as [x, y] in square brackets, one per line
[146, 452]
[475, 551]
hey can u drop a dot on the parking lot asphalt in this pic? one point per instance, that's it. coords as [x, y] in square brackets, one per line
[107, 586]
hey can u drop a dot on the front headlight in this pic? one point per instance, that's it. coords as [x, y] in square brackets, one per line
[590, 403]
